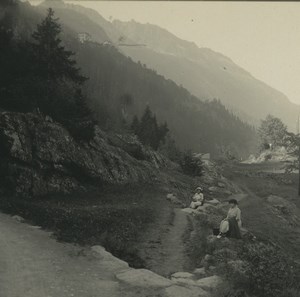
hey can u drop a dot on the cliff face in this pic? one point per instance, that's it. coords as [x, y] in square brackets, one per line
[39, 156]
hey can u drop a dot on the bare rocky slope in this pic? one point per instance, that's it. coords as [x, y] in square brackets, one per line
[39, 156]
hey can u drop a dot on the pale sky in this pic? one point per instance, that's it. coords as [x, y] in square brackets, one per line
[262, 37]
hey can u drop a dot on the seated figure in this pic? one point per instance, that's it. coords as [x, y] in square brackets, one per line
[198, 198]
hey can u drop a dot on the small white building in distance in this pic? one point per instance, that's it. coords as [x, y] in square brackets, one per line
[84, 37]
[106, 43]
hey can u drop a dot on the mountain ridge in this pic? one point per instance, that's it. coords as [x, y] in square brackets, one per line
[207, 69]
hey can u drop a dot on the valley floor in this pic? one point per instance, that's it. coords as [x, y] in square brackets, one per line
[33, 265]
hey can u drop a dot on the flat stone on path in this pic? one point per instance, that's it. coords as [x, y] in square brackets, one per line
[183, 275]
[209, 283]
[184, 281]
[178, 291]
[143, 278]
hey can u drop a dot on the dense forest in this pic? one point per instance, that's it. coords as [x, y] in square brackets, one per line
[116, 89]
[201, 126]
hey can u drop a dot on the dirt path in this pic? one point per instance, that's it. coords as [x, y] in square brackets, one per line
[164, 251]
[32, 264]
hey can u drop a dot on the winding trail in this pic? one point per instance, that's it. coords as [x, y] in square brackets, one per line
[164, 250]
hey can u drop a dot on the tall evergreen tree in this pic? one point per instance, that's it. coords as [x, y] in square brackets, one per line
[148, 130]
[54, 62]
[57, 71]
[135, 125]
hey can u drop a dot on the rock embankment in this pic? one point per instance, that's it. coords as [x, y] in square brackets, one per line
[40, 156]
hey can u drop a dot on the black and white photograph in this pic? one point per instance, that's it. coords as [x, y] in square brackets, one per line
[149, 148]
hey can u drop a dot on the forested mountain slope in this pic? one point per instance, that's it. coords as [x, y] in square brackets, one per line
[197, 125]
[207, 74]
[194, 124]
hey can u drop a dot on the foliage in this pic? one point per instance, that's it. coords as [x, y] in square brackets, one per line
[270, 272]
[170, 149]
[53, 61]
[126, 101]
[272, 131]
[293, 146]
[40, 74]
[190, 164]
[262, 270]
[148, 130]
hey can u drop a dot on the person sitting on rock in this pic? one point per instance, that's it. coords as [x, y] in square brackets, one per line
[231, 225]
[198, 198]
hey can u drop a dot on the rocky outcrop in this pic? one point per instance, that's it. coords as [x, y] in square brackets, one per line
[39, 156]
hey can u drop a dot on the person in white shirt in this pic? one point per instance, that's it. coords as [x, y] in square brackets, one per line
[198, 198]
[231, 225]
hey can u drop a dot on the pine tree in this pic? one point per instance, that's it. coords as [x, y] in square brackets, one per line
[56, 71]
[148, 130]
[54, 62]
[135, 125]
[162, 132]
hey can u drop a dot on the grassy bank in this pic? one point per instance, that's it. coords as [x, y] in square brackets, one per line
[114, 217]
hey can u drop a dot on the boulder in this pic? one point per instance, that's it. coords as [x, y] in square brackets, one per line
[143, 278]
[108, 260]
[200, 272]
[18, 218]
[186, 275]
[212, 269]
[213, 189]
[178, 291]
[213, 201]
[207, 261]
[210, 283]
[205, 207]
[184, 281]
[221, 185]
[189, 210]
[172, 198]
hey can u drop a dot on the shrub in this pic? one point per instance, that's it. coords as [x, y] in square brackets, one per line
[266, 272]
[190, 164]
[270, 272]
